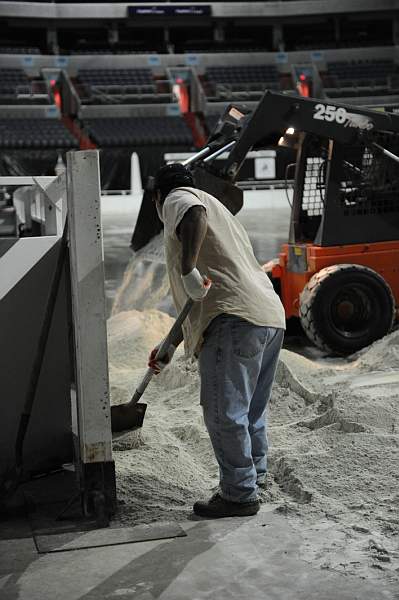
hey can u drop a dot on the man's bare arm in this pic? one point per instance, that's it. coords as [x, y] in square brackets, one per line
[191, 233]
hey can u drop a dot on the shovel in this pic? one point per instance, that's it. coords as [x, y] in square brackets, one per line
[131, 415]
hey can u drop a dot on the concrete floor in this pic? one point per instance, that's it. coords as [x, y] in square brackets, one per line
[228, 559]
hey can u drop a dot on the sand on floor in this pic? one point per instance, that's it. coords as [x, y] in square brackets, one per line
[334, 446]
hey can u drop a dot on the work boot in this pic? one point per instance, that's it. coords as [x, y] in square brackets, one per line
[217, 507]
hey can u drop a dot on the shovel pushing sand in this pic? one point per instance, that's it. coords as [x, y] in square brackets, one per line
[131, 414]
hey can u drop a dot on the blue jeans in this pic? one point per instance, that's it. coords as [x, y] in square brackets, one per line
[237, 362]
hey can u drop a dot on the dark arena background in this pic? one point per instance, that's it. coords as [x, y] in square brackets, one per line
[154, 78]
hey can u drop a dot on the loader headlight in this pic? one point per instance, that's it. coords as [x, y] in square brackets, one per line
[289, 139]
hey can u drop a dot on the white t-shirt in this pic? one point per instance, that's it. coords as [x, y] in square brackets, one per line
[239, 285]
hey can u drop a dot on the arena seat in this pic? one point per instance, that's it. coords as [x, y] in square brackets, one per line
[240, 82]
[13, 76]
[16, 88]
[115, 76]
[121, 86]
[139, 131]
[35, 133]
[360, 78]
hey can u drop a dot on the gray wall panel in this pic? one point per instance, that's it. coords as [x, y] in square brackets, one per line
[48, 440]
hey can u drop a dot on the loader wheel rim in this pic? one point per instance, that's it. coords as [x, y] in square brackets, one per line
[352, 310]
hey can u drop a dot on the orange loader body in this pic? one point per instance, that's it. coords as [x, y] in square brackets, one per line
[382, 257]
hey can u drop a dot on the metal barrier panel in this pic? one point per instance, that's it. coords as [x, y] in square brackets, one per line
[93, 419]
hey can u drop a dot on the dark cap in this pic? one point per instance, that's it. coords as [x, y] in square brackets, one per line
[172, 176]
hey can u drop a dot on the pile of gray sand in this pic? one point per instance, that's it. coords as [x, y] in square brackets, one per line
[333, 432]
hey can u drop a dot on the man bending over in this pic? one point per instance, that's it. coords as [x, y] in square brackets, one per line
[236, 331]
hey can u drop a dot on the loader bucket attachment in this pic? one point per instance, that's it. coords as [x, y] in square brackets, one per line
[148, 224]
[226, 192]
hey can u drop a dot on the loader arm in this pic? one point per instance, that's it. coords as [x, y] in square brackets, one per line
[277, 112]
[237, 132]
[339, 130]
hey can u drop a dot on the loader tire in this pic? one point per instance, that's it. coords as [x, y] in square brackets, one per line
[346, 307]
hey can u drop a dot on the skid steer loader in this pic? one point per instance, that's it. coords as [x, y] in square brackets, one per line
[339, 270]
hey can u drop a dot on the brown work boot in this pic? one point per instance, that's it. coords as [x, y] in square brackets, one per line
[217, 508]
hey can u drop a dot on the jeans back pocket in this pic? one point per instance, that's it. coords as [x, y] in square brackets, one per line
[248, 339]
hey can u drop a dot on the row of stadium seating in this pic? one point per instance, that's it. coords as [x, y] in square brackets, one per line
[356, 72]
[35, 133]
[345, 79]
[105, 132]
[242, 73]
[240, 83]
[117, 76]
[342, 79]
[17, 89]
[13, 76]
[229, 74]
[362, 91]
[138, 131]
[121, 86]
[22, 96]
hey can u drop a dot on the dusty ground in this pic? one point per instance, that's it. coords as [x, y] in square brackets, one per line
[333, 462]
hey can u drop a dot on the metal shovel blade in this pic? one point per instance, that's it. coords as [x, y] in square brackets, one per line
[127, 416]
[131, 415]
